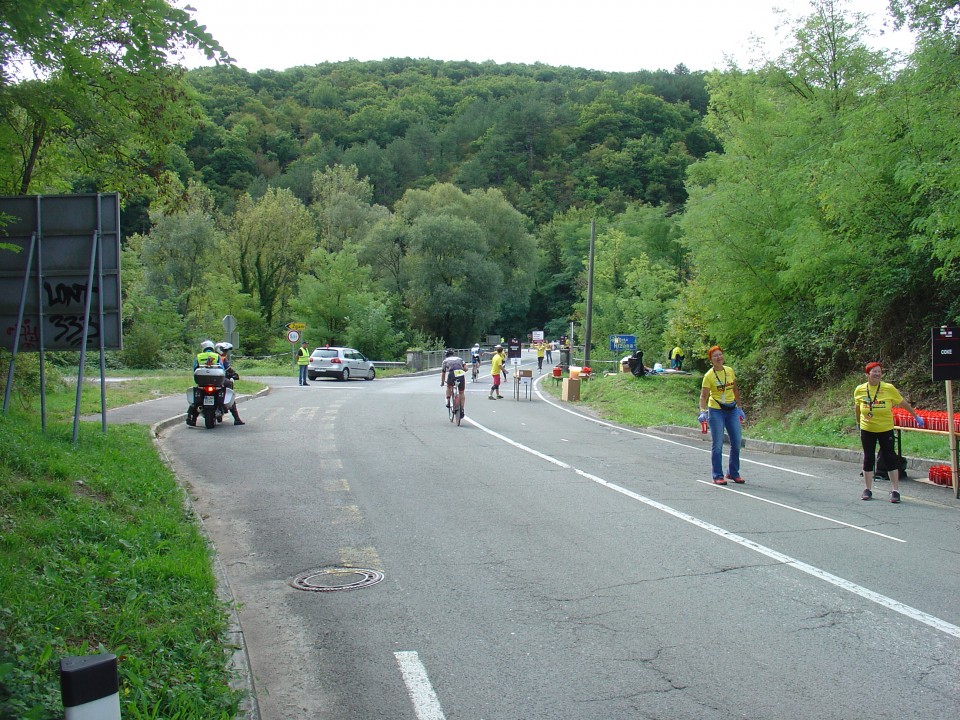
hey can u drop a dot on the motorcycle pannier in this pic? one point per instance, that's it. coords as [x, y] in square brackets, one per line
[212, 376]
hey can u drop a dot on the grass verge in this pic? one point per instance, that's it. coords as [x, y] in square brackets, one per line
[98, 553]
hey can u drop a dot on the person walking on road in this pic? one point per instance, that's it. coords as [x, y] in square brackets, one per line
[541, 351]
[720, 406]
[496, 368]
[303, 359]
[874, 401]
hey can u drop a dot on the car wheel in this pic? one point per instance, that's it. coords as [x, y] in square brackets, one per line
[345, 375]
[371, 374]
[311, 376]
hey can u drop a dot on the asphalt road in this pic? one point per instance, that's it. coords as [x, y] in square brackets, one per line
[537, 563]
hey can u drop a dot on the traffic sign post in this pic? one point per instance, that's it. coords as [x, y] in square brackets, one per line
[945, 365]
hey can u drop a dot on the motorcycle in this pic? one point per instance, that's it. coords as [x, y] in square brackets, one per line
[211, 396]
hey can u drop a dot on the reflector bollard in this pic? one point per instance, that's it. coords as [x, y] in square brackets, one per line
[90, 687]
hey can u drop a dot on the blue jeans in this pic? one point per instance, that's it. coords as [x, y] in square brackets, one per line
[303, 374]
[729, 420]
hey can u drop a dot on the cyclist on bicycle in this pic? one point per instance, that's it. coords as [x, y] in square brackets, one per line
[452, 363]
[475, 355]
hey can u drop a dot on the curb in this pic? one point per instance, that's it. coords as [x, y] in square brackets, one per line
[239, 663]
[162, 425]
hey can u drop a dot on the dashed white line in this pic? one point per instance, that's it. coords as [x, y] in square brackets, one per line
[424, 699]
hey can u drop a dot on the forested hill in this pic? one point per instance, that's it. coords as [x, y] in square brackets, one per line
[547, 137]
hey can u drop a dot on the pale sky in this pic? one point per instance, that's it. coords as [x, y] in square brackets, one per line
[612, 35]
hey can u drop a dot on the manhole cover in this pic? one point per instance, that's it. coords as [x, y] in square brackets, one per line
[337, 578]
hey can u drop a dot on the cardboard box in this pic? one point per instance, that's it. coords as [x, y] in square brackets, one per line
[571, 390]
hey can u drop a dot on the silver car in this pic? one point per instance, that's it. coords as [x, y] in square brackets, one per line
[340, 362]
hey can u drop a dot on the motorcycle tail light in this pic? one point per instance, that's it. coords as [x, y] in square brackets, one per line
[210, 389]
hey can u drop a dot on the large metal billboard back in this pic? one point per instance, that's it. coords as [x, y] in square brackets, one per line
[57, 287]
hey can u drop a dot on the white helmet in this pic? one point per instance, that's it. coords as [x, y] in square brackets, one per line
[223, 347]
[206, 345]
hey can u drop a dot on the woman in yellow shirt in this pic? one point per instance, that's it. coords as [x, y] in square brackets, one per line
[720, 405]
[874, 402]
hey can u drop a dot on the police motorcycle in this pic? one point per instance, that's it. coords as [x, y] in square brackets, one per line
[212, 394]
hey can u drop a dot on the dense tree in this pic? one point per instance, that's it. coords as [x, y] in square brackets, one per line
[108, 104]
[343, 206]
[268, 242]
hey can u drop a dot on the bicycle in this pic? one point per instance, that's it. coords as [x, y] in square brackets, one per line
[454, 410]
[476, 371]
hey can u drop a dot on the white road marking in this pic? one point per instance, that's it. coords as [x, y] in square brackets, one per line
[805, 512]
[662, 439]
[882, 600]
[424, 699]
[743, 460]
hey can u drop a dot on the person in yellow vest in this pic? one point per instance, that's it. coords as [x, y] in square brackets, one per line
[207, 357]
[541, 351]
[303, 359]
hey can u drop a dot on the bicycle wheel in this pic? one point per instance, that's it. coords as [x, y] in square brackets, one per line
[450, 410]
[457, 415]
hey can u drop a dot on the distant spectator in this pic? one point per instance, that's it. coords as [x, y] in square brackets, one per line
[676, 358]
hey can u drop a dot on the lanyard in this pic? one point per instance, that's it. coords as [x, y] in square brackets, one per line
[718, 381]
[872, 400]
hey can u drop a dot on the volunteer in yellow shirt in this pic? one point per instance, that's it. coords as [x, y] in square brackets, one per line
[874, 402]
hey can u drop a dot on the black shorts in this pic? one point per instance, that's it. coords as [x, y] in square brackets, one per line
[451, 379]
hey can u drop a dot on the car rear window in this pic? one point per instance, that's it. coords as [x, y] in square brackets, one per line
[324, 353]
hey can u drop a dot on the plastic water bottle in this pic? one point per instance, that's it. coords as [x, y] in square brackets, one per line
[704, 427]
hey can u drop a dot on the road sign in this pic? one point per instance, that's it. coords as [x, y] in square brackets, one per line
[296, 326]
[229, 324]
[945, 353]
[623, 342]
[293, 336]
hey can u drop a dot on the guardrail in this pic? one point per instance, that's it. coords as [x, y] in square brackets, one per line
[387, 364]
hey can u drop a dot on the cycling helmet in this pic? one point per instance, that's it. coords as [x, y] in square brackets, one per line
[206, 345]
[498, 347]
[449, 352]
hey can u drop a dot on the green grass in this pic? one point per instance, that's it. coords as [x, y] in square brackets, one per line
[99, 554]
[824, 418]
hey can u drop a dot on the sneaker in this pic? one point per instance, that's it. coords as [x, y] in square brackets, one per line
[739, 480]
[489, 397]
[867, 495]
[448, 405]
[306, 383]
[499, 397]
[719, 481]
[894, 496]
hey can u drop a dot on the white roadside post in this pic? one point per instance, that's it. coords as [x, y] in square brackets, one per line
[90, 687]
